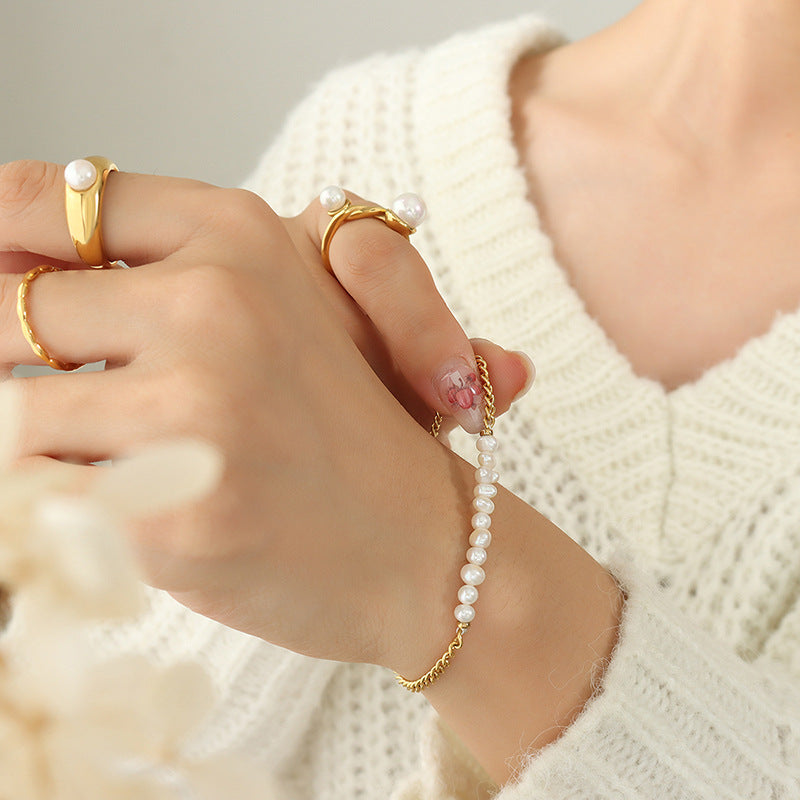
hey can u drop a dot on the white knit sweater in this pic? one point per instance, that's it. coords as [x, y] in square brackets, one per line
[691, 497]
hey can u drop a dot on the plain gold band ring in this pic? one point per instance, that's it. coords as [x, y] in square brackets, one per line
[22, 313]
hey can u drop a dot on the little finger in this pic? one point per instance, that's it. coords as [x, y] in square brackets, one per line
[83, 417]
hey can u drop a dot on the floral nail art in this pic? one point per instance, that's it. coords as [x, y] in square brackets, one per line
[459, 388]
[463, 392]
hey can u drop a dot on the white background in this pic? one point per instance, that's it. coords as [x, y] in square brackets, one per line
[199, 89]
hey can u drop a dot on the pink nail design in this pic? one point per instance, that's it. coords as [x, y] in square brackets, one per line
[463, 392]
[459, 387]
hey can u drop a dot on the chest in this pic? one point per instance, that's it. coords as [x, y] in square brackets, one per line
[678, 266]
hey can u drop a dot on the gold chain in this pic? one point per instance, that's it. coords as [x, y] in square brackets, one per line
[439, 667]
[488, 424]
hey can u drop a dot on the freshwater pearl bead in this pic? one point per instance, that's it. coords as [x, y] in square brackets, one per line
[486, 475]
[481, 520]
[332, 198]
[80, 174]
[480, 537]
[485, 490]
[467, 594]
[410, 208]
[464, 613]
[473, 574]
[483, 504]
[476, 555]
[487, 444]
[487, 460]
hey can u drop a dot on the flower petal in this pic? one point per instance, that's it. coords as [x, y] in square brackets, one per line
[160, 477]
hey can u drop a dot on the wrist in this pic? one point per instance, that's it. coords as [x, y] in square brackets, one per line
[547, 612]
[424, 624]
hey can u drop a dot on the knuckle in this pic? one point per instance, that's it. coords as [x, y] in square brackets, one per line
[411, 327]
[182, 402]
[230, 301]
[374, 252]
[238, 212]
[22, 183]
[198, 296]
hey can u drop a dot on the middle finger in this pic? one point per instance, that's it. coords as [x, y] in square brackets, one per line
[145, 217]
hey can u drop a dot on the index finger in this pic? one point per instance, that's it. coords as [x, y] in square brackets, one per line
[386, 276]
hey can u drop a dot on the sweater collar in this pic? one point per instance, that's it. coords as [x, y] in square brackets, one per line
[618, 431]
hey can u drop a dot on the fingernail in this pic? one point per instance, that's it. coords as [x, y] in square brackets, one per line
[530, 370]
[460, 391]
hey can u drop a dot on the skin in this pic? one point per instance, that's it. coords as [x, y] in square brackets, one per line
[682, 117]
[306, 376]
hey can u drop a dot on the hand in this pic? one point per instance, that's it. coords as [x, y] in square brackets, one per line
[338, 520]
[387, 300]
[222, 331]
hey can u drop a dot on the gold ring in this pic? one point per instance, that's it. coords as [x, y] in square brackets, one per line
[85, 184]
[22, 313]
[407, 212]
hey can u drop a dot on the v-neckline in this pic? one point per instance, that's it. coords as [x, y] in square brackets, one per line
[509, 287]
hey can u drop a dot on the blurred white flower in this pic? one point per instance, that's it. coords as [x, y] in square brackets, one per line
[158, 478]
[72, 726]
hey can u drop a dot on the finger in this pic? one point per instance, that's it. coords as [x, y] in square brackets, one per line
[91, 416]
[391, 283]
[78, 316]
[70, 477]
[20, 263]
[145, 217]
[511, 374]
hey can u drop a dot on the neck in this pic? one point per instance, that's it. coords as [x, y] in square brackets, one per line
[709, 76]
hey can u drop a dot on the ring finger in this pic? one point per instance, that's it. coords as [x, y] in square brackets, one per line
[78, 316]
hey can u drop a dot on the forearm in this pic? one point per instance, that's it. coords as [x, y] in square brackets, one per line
[546, 624]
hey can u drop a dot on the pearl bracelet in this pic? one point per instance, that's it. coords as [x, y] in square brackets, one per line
[472, 573]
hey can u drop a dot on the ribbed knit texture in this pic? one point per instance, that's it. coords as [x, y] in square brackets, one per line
[691, 497]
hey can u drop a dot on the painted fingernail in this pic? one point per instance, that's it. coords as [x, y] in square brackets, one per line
[459, 389]
[530, 370]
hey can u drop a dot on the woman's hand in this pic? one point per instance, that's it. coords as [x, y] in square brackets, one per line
[332, 497]
[386, 298]
[338, 527]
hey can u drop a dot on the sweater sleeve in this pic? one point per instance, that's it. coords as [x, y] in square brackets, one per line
[678, 715]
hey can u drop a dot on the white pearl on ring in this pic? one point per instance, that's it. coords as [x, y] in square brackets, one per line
[467, 594]
[473, 574]
[487, 460]
[80, 174]
[464, 613]
[332, 198]
[410, 208]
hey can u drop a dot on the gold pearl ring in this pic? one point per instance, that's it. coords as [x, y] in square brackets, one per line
[406, 213]
[85, 180]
